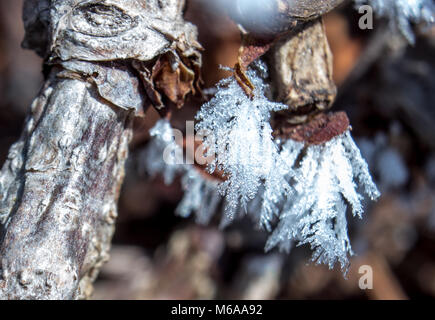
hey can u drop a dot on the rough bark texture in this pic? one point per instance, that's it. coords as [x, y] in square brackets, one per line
[301, 69]
[60, 184]
[150, 37]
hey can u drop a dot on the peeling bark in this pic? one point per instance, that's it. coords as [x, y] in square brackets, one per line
[60, 184]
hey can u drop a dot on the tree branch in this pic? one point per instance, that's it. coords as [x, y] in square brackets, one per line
[60, 184]
[271, 17]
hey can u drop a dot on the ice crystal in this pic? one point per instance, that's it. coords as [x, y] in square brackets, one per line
[237, 130]
[402, 13]
[163, 155]
[277, 187]
[300, 193]
[201, 196]
[326, 178]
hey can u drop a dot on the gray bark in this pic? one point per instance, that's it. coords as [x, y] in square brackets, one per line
[60, 184]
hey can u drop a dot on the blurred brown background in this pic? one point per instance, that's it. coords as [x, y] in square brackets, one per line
[388, 90]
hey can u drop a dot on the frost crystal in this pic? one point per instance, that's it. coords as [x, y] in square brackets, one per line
[236, 130]
[402, 13]
[325, 179]
[277, 187]
[163, 155]
[201, 196]
[298, 192]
